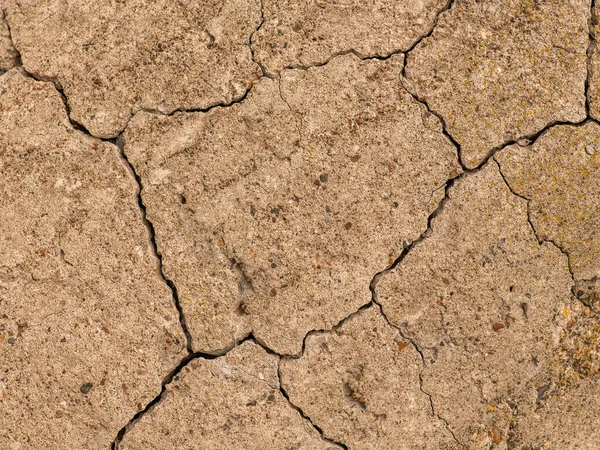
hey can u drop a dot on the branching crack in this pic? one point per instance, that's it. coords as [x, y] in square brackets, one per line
[380, 57]
[531, 225]
[166, 381]
[423, 367]
[444, 8]
[199, 355]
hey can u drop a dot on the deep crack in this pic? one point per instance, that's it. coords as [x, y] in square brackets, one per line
[166, 381]
[593, 21]
[152, 233]
[445, 8]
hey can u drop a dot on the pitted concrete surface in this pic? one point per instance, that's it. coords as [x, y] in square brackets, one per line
[278, 225]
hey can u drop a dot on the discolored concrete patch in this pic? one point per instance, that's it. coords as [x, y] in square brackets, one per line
[502, 69]
[273, 215]
[560, 175]
[360, 384]
[565, 413]
[482, 299]
[87, 326]
[115, 58]
[224, 403]
[307, 33]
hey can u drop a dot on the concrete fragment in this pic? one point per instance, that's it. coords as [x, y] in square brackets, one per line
[500, 70]
[273, 215]
[226, 403]
[114, 58]
[481, 298]
[360, 385]
[560, 175]
[307, 33]
[9, 57]
[87, 326]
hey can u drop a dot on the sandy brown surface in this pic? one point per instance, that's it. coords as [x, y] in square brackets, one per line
[314, 224]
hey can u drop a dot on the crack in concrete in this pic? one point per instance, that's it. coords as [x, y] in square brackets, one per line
[199, 355]
[158, 255]
[423, 367]
[117, 140]
[81, 127]
[380, 57]
[265, 72]
[592, 22]
[535, 233]
[10, 37]
[299, 410]
[166, 381]
[449, 4]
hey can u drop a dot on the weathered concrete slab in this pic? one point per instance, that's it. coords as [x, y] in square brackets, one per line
[87, 326]
[223, 403]
[114, 58]
[482, 299]
[503, 69]
[273, 215]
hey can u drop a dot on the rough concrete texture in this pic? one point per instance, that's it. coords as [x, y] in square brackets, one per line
[113, 58]
[498, 70]
[360, 397]
[88, 329]
[246, 201]
[593, 94]
[228, 402]
[307, 33]
[480, 298]
[324, 224]
[560, 175]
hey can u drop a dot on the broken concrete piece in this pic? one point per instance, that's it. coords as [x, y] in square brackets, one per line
[560, 175]
[88, 329]
[273, 215]
[482, 299]
[9, 57]
[115, 58]
[226, 403]
[360, 385]
[502, 69]
[307, 33]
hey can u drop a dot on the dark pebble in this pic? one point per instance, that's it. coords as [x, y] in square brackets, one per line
[86, 387]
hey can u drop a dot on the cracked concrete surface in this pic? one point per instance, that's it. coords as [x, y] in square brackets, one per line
[309, 225]
[501, 70]
[226, 402]
[88, 329]
[246, 200]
